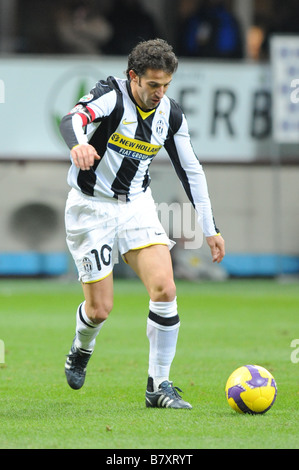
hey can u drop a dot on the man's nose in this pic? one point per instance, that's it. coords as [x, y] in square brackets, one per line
[160, 91]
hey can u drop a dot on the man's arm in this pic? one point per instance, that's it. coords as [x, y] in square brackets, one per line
[193, 179]
[100, 102]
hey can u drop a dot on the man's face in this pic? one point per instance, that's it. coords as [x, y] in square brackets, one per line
[149, 89]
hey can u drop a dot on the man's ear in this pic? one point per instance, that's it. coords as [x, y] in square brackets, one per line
[133, 76]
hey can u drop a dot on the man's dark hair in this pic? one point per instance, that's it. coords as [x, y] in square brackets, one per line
[154, 54]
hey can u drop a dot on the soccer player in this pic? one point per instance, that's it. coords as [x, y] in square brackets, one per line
[113, 134]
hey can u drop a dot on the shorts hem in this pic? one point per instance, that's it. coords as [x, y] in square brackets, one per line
[141, 247]
[96, 280]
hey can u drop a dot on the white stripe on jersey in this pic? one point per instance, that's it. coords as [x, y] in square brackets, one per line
[78, 129]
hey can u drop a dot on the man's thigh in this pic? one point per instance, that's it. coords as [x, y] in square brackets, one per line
[140, 226]
[153, 265]
[99, 298]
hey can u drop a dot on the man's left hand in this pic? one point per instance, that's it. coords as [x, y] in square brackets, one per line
[217, 247]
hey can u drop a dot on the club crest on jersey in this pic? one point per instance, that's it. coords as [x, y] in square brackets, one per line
[87, 265]
[160, 127]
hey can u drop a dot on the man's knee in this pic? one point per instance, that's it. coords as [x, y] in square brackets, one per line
[164, 290]
[98, 313]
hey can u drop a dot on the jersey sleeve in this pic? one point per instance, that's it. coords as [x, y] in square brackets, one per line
[93, 107]
[191, 174]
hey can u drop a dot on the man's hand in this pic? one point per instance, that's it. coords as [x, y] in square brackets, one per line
[216, 244]
[84, 155]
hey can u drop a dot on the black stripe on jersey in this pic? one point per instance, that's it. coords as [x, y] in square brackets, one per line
[144, 126]
[129, 167]
[146, 180]
[124, 176]
[175, 121]
[87, 179]
[175, 117]
[173, 154]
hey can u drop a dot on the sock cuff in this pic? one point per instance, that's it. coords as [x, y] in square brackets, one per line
[164, 309]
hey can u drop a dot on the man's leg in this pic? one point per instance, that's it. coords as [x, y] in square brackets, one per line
[91, 315]
[154, 267]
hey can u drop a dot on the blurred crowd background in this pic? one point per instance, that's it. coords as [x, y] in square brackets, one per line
[221, 29]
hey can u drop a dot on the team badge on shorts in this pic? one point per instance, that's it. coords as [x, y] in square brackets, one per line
[87, 265]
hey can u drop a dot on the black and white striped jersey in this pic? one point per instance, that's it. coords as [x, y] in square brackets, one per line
[127, 139]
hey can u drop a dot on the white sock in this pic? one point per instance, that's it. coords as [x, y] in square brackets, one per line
[86, 330]
[162, 331]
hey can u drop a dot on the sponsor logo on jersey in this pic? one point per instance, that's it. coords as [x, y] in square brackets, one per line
[125, 122]
[132, 148]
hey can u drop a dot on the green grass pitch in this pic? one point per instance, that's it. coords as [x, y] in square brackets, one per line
[223, 326]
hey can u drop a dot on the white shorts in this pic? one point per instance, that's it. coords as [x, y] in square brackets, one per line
[99, 229]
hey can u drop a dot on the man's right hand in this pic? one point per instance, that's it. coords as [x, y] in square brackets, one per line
[84, 155]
